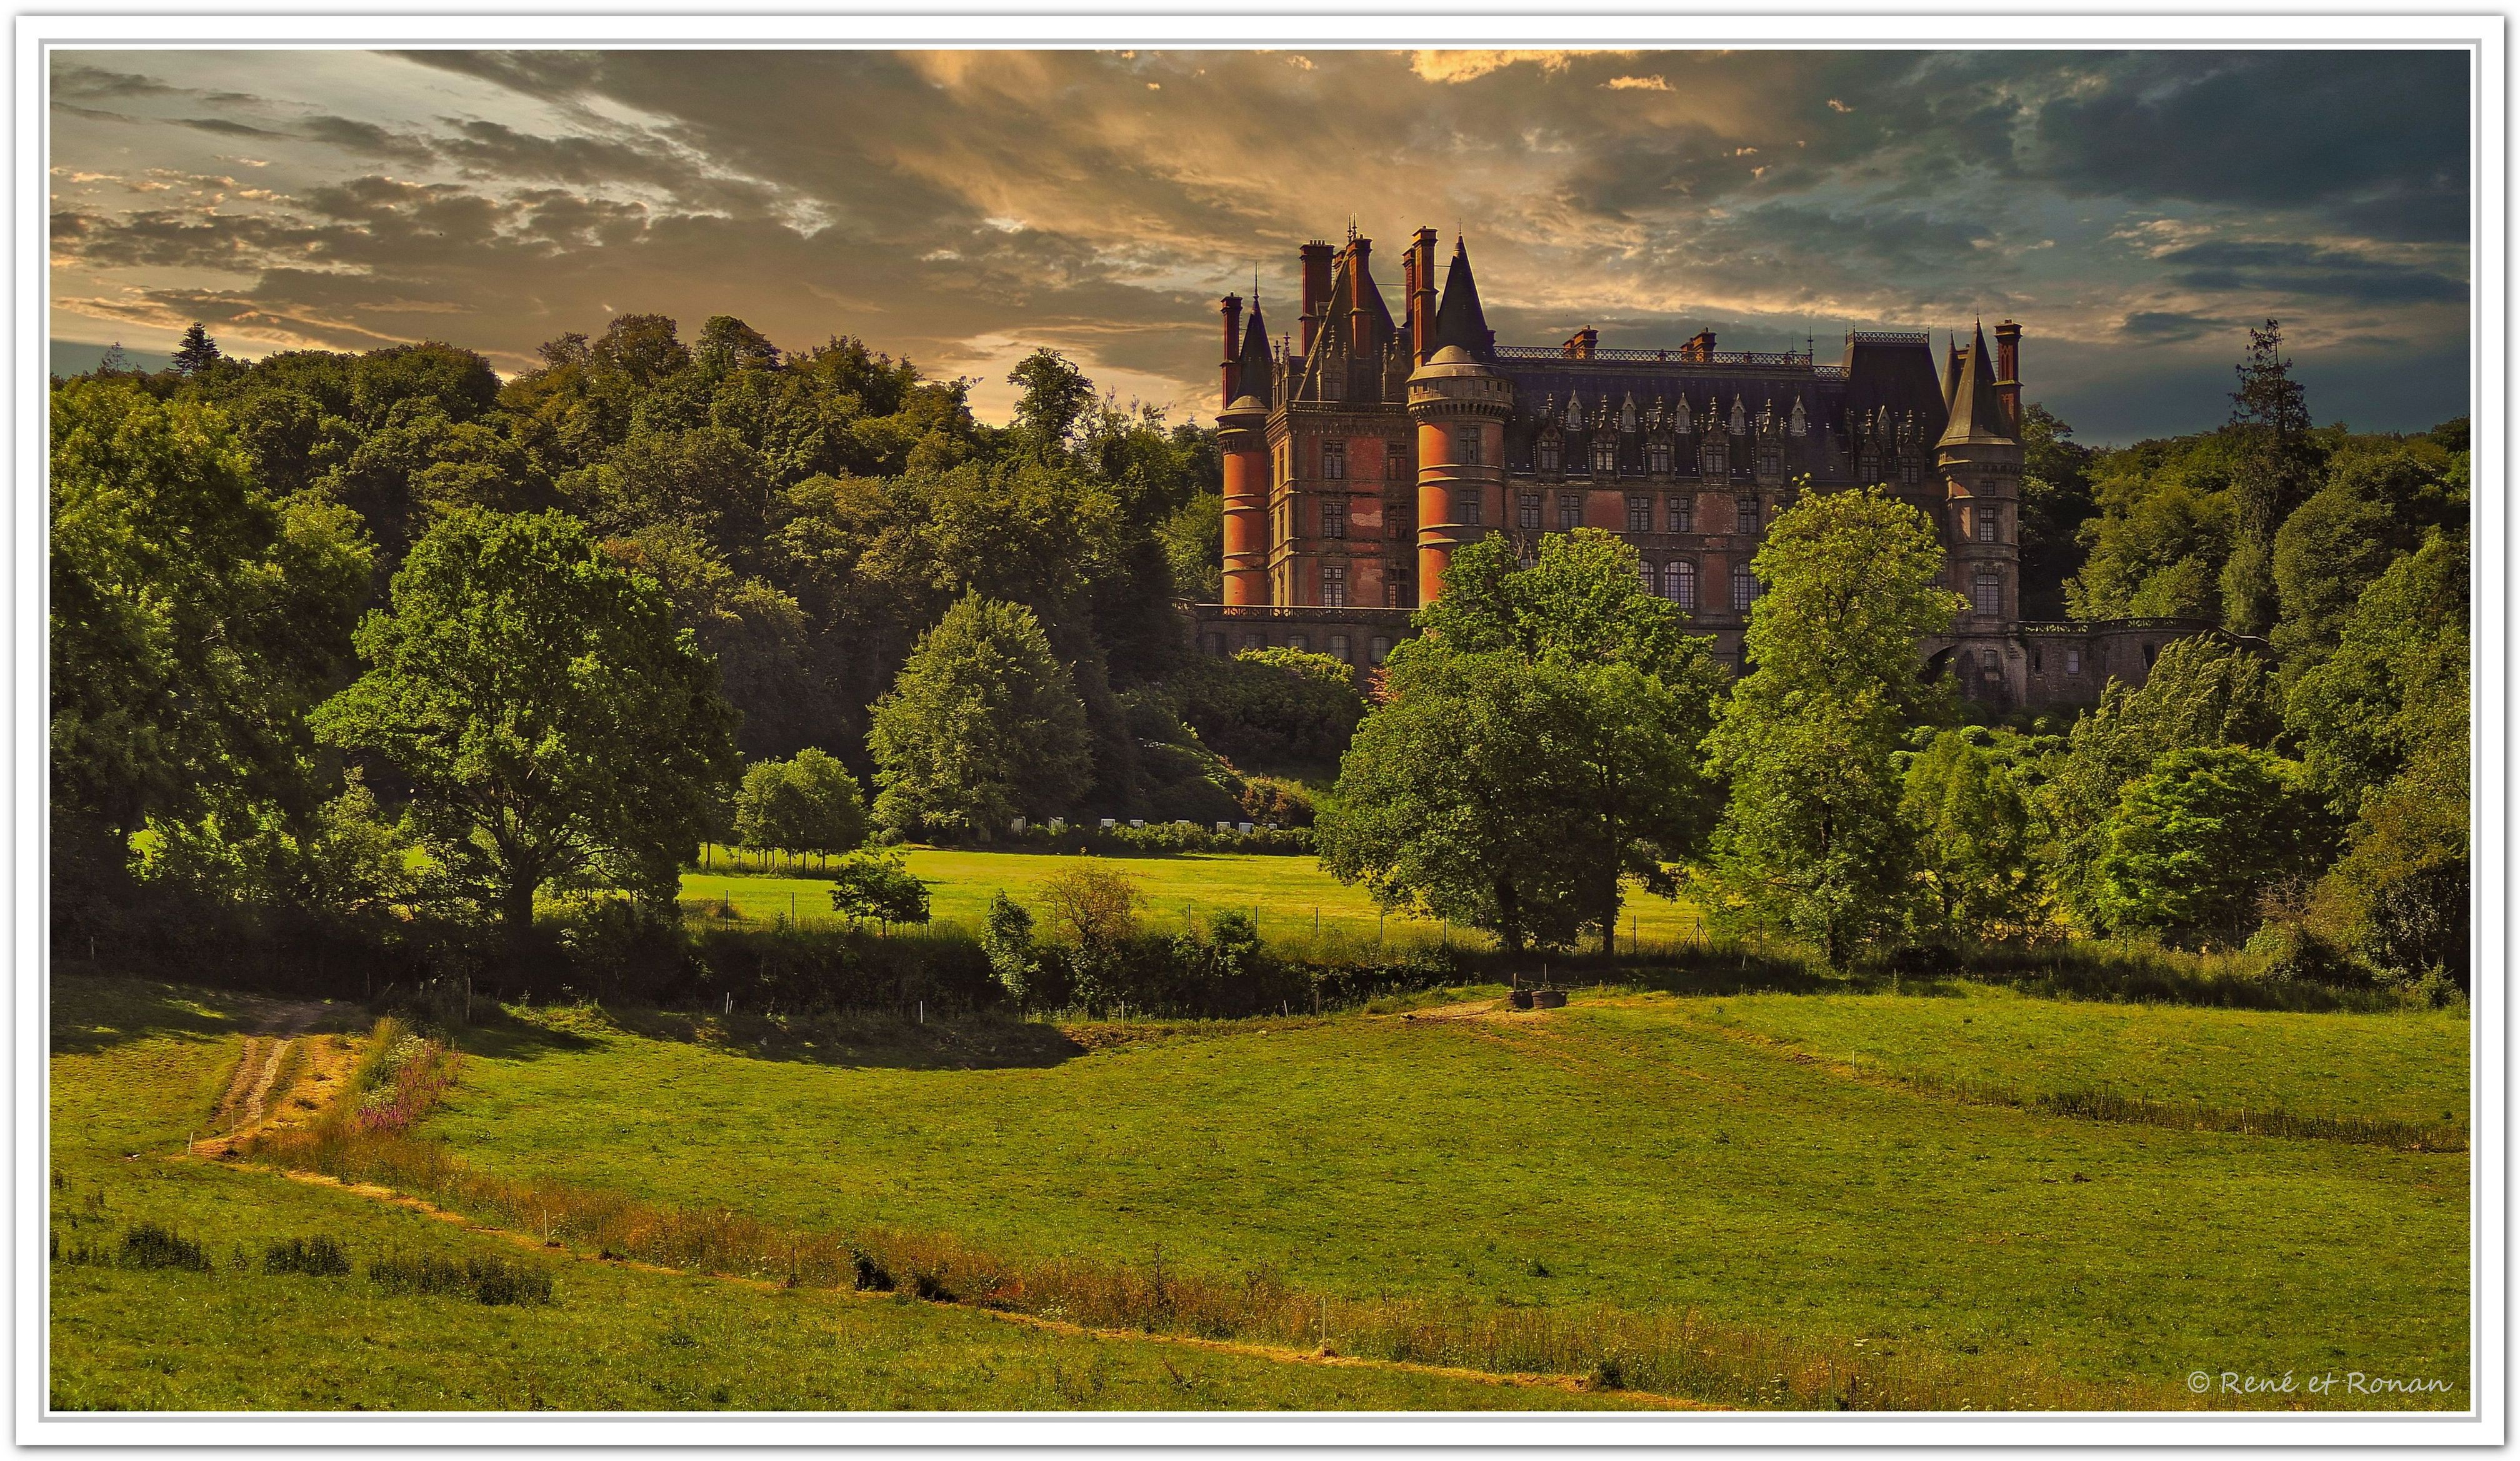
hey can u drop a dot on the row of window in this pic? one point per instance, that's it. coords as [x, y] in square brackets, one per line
[1679, 513]
[1714, 459]
[1395, 466]
[1677, 581]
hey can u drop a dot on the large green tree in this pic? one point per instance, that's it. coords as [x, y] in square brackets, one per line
[549, 718]
[2278, 465]
[1589, 705]
[194, 619]
[982, 726]
[2196, 843]
[1971, 830]
[1812, 837]
[808, 803]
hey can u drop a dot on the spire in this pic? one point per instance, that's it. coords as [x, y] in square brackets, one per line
[1978, 413]
[1251, 374]
[1950, 371]
[1458, 320]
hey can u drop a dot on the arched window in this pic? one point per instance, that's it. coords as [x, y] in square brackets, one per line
[1605, 456]
[1989, 663]
[1680, 583]
[1744, 588]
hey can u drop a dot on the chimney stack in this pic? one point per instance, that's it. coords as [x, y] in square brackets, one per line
[1582, 345]
[1421, 295]
[1360, 317]
[2007, 374]
[1317, 289]
[1231, 306]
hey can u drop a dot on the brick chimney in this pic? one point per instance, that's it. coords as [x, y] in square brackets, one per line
[1581, 346]
[1232, 307]
[1360, 317]
[2007, 374]
[1317, 289]
[1700, 347]
[1421, 295]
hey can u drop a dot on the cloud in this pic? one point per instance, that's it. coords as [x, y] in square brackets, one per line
[952, 206]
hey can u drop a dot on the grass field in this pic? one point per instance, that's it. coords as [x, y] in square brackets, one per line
[1634, 1150]
[135, 1070]
[2409, 1067]
[1286, 894]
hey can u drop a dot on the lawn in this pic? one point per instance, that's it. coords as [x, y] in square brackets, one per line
[137, 1067]
[1289, 894]
[1628, 1150]
[2397, 1067]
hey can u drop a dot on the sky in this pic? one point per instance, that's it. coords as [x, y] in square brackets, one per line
[2136, 212]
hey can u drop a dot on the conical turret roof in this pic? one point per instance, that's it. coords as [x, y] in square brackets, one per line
[1253, 368]
[1458, 320]
[1976, 415]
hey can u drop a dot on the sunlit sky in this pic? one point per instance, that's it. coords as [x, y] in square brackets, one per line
[2135, 210]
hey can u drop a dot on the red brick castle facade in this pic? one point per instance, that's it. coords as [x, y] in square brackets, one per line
[1364, 451]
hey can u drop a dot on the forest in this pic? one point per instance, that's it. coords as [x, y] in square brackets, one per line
[710, 577]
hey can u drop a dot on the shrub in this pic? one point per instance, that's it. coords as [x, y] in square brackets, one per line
[485, 1280]
[318, 1256]
[148, 1246]
[1273, 707]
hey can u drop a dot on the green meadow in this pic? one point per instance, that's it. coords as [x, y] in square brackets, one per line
[1636, 1150]
[135, 1070]
[1289, 894]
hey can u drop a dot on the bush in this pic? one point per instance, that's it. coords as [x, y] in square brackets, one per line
[318, 1256]
[1272, 707]
[148, 1246]
[490, 1280]
[2293, 951]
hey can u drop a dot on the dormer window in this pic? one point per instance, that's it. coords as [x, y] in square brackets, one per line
[1658, 457]
[1545, 453]
[1605, 456]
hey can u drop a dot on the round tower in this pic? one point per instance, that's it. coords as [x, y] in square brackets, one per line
[1242, 439]
[1980, 458]
[1459, 406]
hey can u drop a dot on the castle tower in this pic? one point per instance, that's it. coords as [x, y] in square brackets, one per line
[1458, 403]
[1980, 459]
[1242, 439]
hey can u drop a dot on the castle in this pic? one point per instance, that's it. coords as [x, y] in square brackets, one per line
[1361, 454]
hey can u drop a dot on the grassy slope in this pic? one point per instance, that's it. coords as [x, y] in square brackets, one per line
[1285, 890]
[2401, 1067]
[136, 1067]
[1631, 1152]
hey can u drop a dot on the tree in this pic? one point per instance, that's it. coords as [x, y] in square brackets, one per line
[1437, 811]
[114, 362]
[2203, 692]
[193, 620]
[1972, 833]
[1006, 937]
[1810, 837]
[1054, 396]
[1588, 707]
[197, 352]
[2396, 680]
[1272, 708]
[809, 804]
[878, 886]
[2055, 502]
[1092, 909]
[550, 719]
[2278, 462]
[2196, 843]
[983, 725]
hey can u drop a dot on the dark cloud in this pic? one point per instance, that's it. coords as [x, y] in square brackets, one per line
[2385, 132]
[2166, 326]
[2303, 269]
[366, 139]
